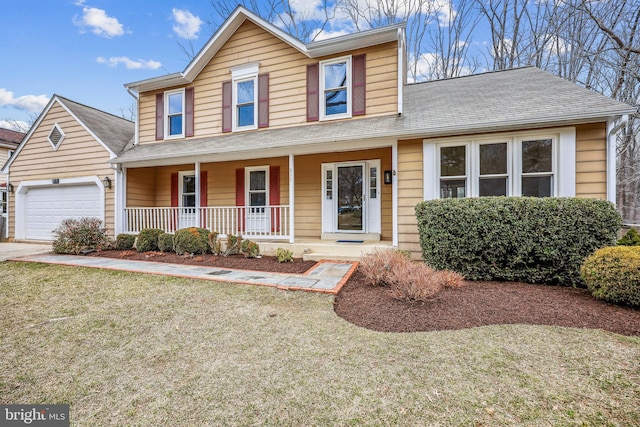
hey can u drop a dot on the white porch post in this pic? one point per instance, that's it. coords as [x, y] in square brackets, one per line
[197, 168]
[394, 190]
[119, 198]
[291, 199]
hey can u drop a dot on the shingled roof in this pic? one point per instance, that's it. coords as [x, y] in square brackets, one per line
[496, 101]
[115, 132]
[10, 138]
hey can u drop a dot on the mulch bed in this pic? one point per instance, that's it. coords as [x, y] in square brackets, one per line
[266, 263]
[472, 305]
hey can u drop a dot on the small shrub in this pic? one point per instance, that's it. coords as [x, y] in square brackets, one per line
[191, 240]
[214, 243]
[631, 238]
[75, 236]
[125, 241]
[613, 274]
[284, 255]
[234, 244]
[148, 239]
[249, 248]
[408, 280]
[165, 242]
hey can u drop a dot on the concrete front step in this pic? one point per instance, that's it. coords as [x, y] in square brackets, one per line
[316, 250]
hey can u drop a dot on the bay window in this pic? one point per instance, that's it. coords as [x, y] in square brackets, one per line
[524, 164]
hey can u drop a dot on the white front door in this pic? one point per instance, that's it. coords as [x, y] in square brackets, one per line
[257, 197]
[187, 215]
[351, 197]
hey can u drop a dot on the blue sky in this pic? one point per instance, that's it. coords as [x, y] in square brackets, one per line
[86, 50]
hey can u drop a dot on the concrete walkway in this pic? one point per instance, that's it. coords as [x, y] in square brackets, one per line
[326, 276]
[9, 250]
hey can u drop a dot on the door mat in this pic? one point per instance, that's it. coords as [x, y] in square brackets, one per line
[350, 241]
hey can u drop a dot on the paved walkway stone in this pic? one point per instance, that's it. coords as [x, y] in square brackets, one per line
[325, 276]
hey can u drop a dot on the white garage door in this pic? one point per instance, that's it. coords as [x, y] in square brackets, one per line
[46, 207]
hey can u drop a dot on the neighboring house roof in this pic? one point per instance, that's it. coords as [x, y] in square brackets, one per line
[496, 101]
[238, 17]
[10, 138]
[112, 132]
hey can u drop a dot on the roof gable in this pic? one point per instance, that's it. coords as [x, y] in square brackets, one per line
[238, 17]
[111, 132]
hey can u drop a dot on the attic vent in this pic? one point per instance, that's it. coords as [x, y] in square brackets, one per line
[56, 136]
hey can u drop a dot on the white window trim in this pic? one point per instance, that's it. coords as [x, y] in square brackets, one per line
[322, 99]
[167, 94]
[247, 183]
[181, 176]
[239, 74]
[563, 149]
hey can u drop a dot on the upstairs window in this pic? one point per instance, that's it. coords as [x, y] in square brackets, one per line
[335, 85]
[174, 120]
[245, 104]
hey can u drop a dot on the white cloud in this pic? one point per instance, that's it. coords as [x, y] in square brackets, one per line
[17, 125]
[100, 23]
[130, 64]
[31, 103]
[187, 25]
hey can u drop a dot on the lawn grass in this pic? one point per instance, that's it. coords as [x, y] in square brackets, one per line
[133, 349]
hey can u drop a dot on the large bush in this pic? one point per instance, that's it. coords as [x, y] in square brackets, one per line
[631, 238]
[191, 240]
[613, 274]
[148, 239]
[165, 242]
[75, 236]
[535, 240]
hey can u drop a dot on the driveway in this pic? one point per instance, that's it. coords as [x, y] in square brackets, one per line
[17, 250]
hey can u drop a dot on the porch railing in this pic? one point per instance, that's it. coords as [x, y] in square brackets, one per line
[269, 222]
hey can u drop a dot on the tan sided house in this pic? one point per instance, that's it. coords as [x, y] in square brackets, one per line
[9, 141]
[292, 143]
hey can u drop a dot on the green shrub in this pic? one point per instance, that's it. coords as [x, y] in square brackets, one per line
[613, 274]
[191, 240]
[284, 255]
[535, 240]
[249, 248]
[165, 242]
[631, 238]
[125, 241]
[148, 239]
[75, 236]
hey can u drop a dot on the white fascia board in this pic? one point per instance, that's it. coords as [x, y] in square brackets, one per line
[175, 79]
[354, 41]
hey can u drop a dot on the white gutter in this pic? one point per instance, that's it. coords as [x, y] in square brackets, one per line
[613, 127]
[135, 96]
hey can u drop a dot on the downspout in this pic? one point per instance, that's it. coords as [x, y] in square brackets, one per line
[613, 127]
[136, 139]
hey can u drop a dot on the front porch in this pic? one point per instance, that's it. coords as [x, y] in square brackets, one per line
[328, 205]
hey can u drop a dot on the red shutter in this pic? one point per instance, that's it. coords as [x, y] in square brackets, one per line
[175, 202]
[274, 196]
[203, 189]
[188, 110]
[358, 82]
[159, 116]
[226, 106]
[174, 191]
[240, 198]
[313, 88]
[263, 100]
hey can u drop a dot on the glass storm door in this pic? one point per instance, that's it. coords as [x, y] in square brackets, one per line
[350, 197]
[187, 216]
[257, 196]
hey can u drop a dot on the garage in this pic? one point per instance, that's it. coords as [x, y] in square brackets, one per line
[46, 206]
